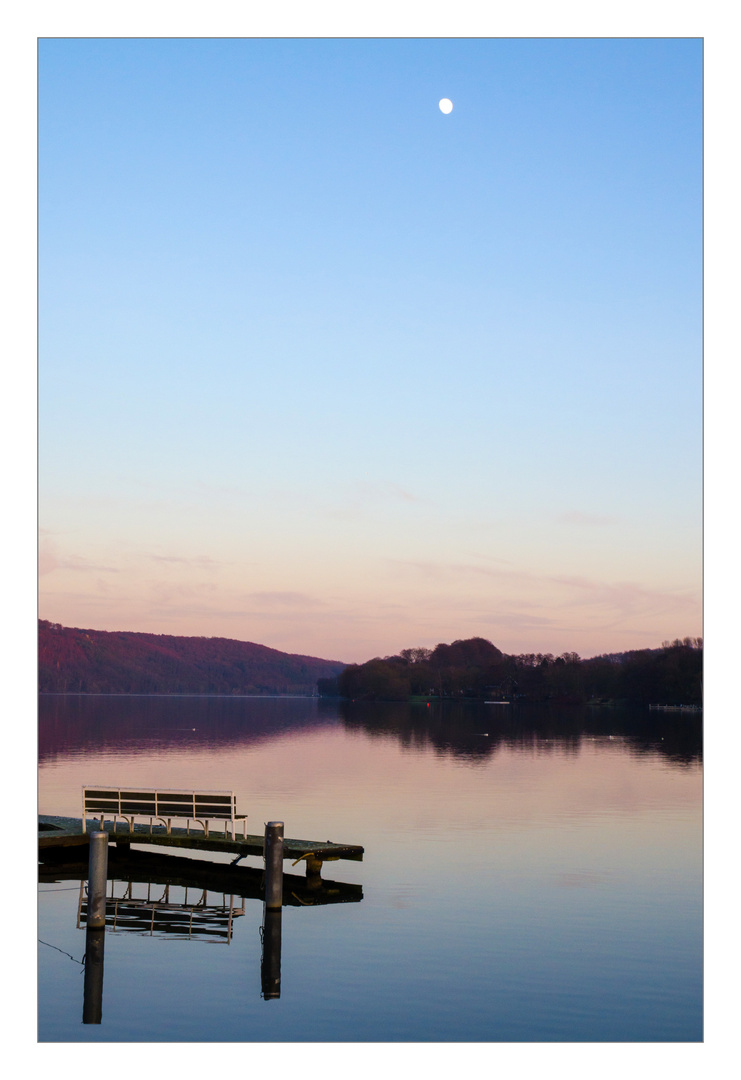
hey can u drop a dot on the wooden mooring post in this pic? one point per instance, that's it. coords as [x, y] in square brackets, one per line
[274, 865]
[271, 928]
[97, 880]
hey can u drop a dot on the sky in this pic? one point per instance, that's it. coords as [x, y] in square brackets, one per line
[324, 368]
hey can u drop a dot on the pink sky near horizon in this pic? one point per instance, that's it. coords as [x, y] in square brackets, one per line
[374, 607]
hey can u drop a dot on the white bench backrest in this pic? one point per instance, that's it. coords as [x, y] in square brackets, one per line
[158, 802]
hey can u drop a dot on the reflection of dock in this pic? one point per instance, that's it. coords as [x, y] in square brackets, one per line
[150, 867]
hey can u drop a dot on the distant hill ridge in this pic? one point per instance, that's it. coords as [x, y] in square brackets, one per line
[73, 660]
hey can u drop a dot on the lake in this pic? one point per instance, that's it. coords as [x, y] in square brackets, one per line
[531, 874]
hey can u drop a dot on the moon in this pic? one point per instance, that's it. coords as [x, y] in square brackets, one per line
[446, 105]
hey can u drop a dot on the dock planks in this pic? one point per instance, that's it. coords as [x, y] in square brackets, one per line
[63, 832]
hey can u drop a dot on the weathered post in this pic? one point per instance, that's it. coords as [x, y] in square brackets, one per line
[270, 965]
[97, 880]
[92, 994]
[313, 872]
[274, 865]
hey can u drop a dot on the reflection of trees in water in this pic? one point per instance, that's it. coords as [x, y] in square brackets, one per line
[682, 748]
[419, 727]
[76, 723]
[476, 732]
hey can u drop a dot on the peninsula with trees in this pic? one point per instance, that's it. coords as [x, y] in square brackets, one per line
[474, 668]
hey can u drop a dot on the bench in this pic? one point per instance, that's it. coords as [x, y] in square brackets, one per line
[162, 805]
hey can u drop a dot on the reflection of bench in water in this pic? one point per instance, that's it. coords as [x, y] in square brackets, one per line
[165, 805]
[165, 911]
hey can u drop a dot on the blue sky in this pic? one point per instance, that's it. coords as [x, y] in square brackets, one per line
[324, 368]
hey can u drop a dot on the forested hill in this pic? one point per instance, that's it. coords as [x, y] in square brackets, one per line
[123, 662]
[474, 668]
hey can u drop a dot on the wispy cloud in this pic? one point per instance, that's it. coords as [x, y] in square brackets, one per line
[578, 517]
[50, 560]
[374, 492]
[402, 493]
[624, 599]
[86, 566]
[285, 599]
[541, 599]
[201, 561]
[362, 496]
[489, 558]
[518, 620]
[455, 571]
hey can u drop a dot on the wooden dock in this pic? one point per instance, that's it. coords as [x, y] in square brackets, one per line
[100, 853]
[62, 832]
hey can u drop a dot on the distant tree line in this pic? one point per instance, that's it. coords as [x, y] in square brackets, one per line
[474, 668]
[101, 662]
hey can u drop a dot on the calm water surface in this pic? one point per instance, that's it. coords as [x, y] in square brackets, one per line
[529, 875]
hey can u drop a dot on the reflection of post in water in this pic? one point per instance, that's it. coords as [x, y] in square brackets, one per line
[92, 1000]
[270, 964]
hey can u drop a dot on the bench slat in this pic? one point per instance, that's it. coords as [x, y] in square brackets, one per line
[147, 793]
